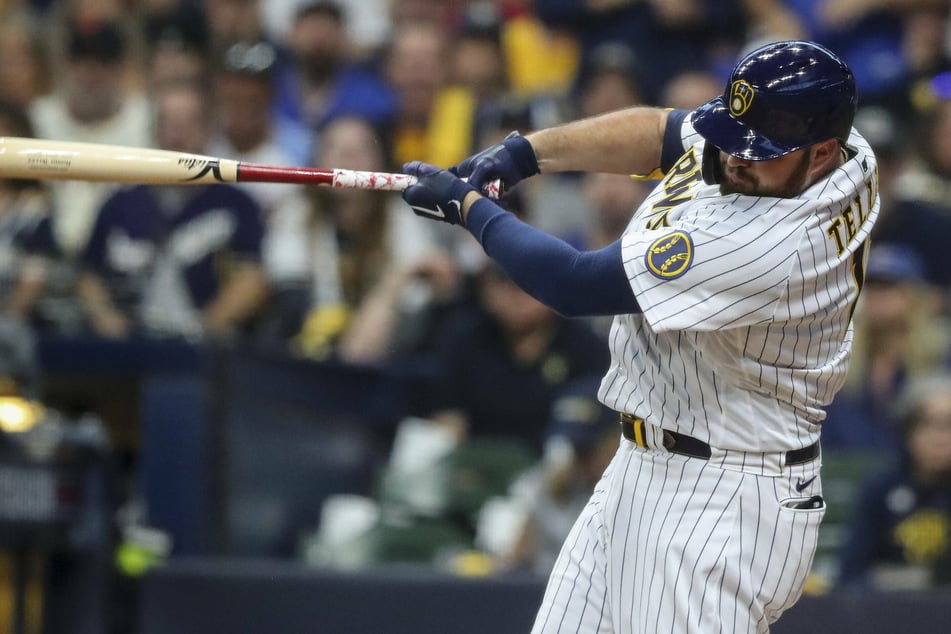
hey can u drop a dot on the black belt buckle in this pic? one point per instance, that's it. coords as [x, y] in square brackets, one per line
[632, 428]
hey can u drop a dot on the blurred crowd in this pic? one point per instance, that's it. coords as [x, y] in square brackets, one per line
[352, 276]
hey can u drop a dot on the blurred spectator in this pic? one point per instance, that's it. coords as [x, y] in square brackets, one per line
[612, 200]
[673, 36]
[581, 438]
[451, 83]
[320, 82]
[898, 335]
[690, 89]
[367, 22]
[922, 194]
[478, 86]
[773, 20]
[24, 66]
[442, 12]
[233, 21]
[175, 261]
[26, 240]
[177, 43]
[343, 262]
[84, 11]
[611, 80]
[417, 65]
[244, 97]
[925, 50]
[541, 61]
[900, 529]
[477, 57]
[501, 364]
[92, 103]
[871, 38]
[19, 369]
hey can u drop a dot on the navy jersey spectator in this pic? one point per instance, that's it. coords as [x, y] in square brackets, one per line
[175, 260]
[147, 242]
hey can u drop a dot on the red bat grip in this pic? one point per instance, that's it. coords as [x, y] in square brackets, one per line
[254, 173]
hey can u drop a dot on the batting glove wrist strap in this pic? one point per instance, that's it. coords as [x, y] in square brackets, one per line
[509, 161]
[438, 194]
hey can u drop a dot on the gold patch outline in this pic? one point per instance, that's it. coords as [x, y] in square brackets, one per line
[665, 243]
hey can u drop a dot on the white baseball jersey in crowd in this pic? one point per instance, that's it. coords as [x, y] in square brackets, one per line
[745, 336]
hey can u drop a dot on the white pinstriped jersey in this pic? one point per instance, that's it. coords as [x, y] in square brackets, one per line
[746, 330]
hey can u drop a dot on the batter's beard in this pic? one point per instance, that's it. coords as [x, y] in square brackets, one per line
[794, 185]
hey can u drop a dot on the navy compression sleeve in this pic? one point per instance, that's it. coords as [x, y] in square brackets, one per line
[572, 283]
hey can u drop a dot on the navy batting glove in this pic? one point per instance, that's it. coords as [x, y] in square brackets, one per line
[438, 194]
[509, 161]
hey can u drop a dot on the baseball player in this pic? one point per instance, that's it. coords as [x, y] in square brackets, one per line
[732, 289]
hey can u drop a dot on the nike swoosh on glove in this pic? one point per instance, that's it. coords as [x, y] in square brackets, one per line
[510, 161]
[438, 193]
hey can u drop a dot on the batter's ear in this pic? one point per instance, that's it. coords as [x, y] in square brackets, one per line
[827, 151]
[825, 158]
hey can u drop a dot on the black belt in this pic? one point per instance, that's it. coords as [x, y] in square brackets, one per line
[633, 429]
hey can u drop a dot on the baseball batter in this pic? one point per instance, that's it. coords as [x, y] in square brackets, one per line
[733, 289]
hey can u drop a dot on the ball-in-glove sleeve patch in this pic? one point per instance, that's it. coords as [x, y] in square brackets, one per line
[670, 256]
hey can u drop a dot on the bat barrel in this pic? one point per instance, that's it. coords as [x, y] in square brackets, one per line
[62, 160]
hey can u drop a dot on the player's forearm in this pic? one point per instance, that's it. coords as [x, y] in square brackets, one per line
[623, 142]
[572, 283]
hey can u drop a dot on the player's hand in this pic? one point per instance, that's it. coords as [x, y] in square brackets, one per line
[438, 194]
[509, 161]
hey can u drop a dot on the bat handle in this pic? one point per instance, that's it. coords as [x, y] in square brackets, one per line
[387, 181]
[492, 189]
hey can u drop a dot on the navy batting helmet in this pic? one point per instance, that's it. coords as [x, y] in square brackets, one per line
[781, 97]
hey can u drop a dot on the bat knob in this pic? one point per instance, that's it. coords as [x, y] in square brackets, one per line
[493, 190]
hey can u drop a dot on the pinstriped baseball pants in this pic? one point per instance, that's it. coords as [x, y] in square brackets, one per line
[674, 544]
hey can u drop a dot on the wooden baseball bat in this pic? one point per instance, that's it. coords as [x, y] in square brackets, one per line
[44, 159]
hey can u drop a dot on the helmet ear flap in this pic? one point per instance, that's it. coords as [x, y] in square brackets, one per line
[710, 167]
